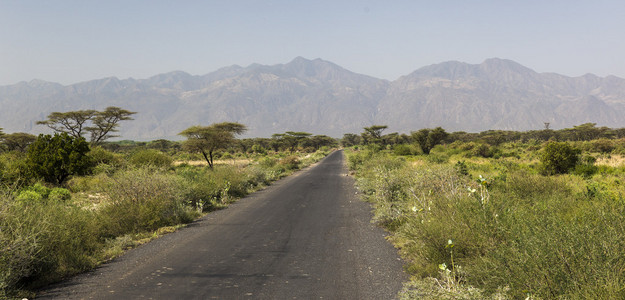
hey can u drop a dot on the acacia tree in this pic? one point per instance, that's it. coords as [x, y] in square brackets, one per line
[106, 122]
[428, 138]
[17, 141]
[373, 134]
[98, 124]
[350, 139]
[208, 139]
[71, 122]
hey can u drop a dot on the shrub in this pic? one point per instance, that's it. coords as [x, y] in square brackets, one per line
[13, 169]
[150, 157]
[483, 150]
[268, 162]
[290, 162]
[256, 148]
[559, 158]
[143, 199]
[59, 195]
[56, 158]
[43, 241]
[520, 236]
[402, 150]
[29, 196]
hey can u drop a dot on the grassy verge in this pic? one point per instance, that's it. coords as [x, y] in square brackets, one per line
[477, 228]
[47, 234]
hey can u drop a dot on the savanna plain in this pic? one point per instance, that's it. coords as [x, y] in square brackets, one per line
[490, 215]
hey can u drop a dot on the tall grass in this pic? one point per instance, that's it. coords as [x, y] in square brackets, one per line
[516, 234]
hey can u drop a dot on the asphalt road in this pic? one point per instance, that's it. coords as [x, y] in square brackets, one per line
[307, 236]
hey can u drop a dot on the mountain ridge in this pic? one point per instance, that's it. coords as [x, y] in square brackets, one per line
[321, 97]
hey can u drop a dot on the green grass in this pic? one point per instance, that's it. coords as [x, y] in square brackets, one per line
[515, 233]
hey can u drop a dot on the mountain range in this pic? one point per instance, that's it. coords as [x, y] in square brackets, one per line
[321, 97]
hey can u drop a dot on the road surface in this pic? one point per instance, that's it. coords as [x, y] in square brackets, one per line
[307, 236]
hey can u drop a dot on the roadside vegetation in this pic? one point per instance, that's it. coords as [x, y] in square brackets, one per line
[68, 205]
[500, 215]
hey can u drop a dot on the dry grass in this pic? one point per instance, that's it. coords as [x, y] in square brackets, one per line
[232, 162]
[612, 161]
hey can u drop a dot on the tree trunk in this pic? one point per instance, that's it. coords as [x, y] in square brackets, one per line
[208, 160]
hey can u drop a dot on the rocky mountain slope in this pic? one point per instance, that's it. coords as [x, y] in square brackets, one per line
[320, 97]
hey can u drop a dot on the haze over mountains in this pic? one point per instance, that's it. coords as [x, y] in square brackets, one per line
[320, 97]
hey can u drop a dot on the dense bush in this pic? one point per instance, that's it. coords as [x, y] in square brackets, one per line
[150, 157]
[559, 158]
[143, 199]
[513, 235]
[56, 158]
[402, 150]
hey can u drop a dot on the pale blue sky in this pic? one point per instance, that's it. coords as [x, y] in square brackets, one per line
[71, 41]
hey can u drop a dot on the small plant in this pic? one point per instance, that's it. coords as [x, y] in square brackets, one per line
[462, 168]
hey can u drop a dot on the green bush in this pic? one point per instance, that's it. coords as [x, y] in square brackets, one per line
[268, 162]
[402, 150]
[150, 157]
[143, 199]
[56, 158]
[43, 241]
[29, 196]
[59, 195]
[559, 158]
[13, 169]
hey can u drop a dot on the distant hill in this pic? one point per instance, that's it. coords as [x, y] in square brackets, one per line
[320, 97]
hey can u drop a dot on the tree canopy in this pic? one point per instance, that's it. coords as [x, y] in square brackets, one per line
[207, 139]
[428, 138]
[98, 124]
[18, 141]
[373, 134]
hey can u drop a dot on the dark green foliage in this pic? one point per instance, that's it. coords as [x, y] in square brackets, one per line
[461, 167]
[373, 134]
[483, 150]
[559, 158]
[428, 138]
[18, 141]
[402, 150]
[56, 158]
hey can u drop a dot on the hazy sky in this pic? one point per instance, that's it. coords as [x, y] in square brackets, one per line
[72, 41]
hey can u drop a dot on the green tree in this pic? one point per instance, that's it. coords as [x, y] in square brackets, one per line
[350, 139]
[373, 134]
[18, 141]
[106, 122]
[72, 122]
[291, 139]
[56, 158]
[98, 124]
[428, 138]
[559, 158]
[208, 139]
